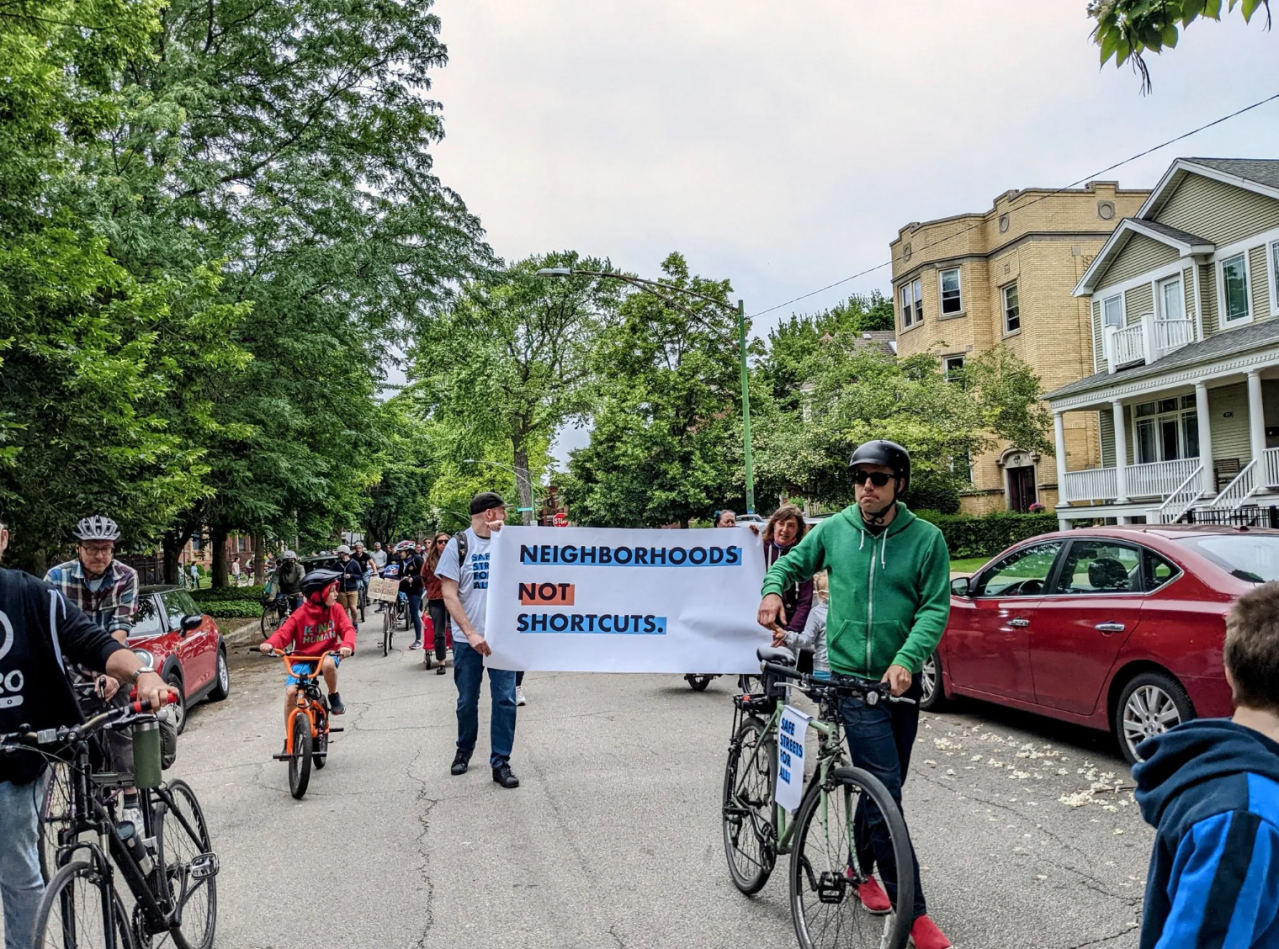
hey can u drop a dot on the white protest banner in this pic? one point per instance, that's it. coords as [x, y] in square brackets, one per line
[575, 599]
[790, 758]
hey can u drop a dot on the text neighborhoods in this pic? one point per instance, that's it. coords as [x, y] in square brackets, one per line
[601, 556]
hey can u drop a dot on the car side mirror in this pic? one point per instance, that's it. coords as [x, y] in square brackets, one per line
[960, 586]
[191, 623]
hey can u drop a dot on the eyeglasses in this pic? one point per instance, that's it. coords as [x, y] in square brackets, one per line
[877, 478]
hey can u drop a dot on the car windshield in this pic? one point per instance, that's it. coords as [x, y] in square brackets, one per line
[146, 621]
[1251, 557]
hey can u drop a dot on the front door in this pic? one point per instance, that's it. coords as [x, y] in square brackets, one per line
[1021, 489]
[1092, 608]
[987, 642]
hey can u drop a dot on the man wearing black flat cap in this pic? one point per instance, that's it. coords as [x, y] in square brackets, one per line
[463, 572]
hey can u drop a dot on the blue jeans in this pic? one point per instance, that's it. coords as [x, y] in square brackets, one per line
[21, 885]
[468, 672]
[880, 738]
[415, 614]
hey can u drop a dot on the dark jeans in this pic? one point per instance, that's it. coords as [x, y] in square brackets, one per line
[519, 679]
[880, 738]
[468, 673]
[439, 616]
[415, 614]
[286, 603]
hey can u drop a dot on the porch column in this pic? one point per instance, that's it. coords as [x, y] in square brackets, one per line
[1059, 431]
[1121, 452]
[1256, 418]
[1207, 480]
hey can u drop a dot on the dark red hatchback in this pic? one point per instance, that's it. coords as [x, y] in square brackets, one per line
[1116, 628]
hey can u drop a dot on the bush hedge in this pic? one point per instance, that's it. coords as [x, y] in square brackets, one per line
[228, 609]
[968, 536]
[227, 594]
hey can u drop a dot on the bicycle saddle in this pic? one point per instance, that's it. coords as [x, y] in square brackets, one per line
[783, 657]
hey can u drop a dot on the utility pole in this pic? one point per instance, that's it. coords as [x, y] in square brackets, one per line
[746, 409]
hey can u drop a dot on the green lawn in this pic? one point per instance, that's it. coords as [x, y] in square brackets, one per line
[968, 565]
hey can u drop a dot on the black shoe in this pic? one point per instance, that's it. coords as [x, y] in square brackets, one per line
[335, 704]
[504, 776]
[461, 761]
[439, 670]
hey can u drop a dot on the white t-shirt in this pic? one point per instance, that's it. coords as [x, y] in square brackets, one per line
[379, 558]
[473, 577]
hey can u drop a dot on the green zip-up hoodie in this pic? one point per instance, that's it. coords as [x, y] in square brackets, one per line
[889, 594]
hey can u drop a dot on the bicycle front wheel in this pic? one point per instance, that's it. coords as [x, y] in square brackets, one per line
[270, 620]
[188, 866]
[55, 816]
[827, 865]
[300, 762]
[388, 626]
[81, 910]
[750, 827]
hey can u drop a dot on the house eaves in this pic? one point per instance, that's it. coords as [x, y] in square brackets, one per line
[1258, 175]
[1186, 244]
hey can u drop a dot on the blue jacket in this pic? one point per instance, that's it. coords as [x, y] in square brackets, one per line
[1211, 790]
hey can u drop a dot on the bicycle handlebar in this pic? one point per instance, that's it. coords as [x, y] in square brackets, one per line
[842, 684]
[69, 734]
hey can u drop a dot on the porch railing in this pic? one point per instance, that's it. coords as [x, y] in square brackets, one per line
[1160, 478]
[1183, 499]
[1272, 467]
[1239, 490]
[1094, 484]
[1127, 346]
[1172, 334]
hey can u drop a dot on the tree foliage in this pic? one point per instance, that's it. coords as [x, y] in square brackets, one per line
[1127, 29]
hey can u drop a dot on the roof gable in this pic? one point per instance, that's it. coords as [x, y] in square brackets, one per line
[1252, 174]
[1181, 243]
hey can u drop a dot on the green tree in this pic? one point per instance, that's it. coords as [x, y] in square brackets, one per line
[662, 449]
[509, 361]
[1128, 29]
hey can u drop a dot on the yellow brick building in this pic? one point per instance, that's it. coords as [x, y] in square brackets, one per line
[967, 283]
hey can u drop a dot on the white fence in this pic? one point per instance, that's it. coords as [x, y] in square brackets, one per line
[1127, 346]
[1095, 484]
[1173, 334]
[1160, 478]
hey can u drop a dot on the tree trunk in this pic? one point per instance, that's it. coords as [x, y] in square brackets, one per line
[522, 480]
[259, 559]
[174, 542]
[217, 540]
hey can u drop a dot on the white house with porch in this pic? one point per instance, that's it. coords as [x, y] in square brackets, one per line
[1184, 300]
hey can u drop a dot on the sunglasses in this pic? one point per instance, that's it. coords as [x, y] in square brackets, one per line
[877, 478]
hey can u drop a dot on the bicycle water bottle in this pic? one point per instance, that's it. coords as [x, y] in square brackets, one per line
[146, 754]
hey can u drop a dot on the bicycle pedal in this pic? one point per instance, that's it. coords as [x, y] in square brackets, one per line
[832, 887]
[283, 757]
[204, 865]
[332, 729]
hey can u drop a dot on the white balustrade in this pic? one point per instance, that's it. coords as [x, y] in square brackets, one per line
[1127, 346]
[1159, 479]
[1272, 467]
[1173, 334]
[1239, 490]
[1181, 500]
[1093, 484]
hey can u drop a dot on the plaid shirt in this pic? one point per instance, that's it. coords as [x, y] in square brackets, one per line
[112, 605]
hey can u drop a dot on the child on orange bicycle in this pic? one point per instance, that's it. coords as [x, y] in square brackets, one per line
[320, 625]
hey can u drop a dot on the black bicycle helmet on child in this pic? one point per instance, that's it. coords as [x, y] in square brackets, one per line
[318, 580]
[889, 454]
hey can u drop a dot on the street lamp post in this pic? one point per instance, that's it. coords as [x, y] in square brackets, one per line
[741, 343]
[526, 515]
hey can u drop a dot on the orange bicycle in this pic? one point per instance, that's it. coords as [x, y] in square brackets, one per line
[306, 736]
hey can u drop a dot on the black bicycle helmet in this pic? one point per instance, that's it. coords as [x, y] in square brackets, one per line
[889, 454]
[318, 580]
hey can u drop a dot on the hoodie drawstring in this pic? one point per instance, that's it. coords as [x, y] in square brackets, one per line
[862, 541]
[883, 548]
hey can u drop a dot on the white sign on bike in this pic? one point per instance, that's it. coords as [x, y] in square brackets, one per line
[790, 758]
[387, 591]
[577, 599]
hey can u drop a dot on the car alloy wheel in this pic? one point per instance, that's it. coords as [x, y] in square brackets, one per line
[1149, 711]
[928, 679]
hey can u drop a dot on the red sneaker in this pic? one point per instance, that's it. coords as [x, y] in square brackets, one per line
[873, 897]
[924, 934]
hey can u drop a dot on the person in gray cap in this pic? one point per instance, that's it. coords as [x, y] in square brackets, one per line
[463, 571]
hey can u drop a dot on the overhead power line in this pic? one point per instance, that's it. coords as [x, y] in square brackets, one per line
[1028, 204]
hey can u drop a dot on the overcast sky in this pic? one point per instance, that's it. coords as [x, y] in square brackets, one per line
[783, 145]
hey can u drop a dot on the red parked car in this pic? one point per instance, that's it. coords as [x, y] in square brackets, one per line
[186, 645]
[1115, 628]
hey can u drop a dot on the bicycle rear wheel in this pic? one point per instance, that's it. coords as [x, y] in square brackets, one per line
[300, 762]
[750, 824]
[825, 868]
[320, 744]
[388, 628]
[187, 864]
[270, 620]
[55, 816]
[81, 910]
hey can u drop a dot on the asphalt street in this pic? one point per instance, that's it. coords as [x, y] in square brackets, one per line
[1026, 830]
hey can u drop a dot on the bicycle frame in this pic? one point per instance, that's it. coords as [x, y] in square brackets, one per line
[308, 700]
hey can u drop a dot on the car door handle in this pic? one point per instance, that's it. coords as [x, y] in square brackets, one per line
[1109, 627]
[1018, 621]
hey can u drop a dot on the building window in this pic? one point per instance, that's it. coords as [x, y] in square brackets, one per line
[1112, 311]
[195, 542]
[919, 299]
[907, 306]
[1012, 310]
[1172, 302]
[954, 368]
[961, 466]
[1167, 429]
[1234, 288]
[951, 300]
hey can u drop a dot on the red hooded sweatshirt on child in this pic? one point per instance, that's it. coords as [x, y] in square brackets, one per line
[314, 628]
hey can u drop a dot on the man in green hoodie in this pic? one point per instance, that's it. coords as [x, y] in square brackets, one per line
[889, 576]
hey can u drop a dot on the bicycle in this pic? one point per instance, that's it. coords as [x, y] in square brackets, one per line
[168, 864]
[276, 608]
[395, 614]
[306, 735]
[830, 846]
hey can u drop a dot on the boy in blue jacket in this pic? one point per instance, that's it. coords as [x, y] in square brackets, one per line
[1211, 789]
